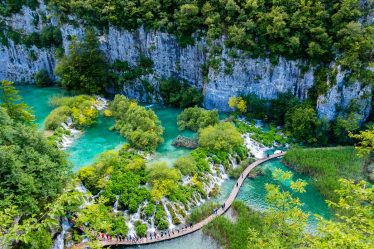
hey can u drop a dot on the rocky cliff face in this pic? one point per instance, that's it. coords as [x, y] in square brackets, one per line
[247, 75]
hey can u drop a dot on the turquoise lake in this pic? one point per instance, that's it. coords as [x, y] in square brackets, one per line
[98, 138]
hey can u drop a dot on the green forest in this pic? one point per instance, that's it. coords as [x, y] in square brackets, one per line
[99, 146]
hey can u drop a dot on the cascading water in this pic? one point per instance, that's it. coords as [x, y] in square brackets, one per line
[68, 140]
[60, 240]
[168, 215]
[115, 206]
[255, 148]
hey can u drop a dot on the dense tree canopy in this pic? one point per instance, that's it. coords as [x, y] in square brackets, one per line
[84, 68]
[13, 104]
[220, 137]
[365, 140]
[316, 30]
[195, 118]
[33, 172]
[81, 109]
[179, 94]
[140, 126]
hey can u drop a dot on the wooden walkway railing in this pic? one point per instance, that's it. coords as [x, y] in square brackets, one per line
[202, 223]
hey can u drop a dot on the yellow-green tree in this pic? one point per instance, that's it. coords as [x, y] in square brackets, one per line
[13, 103]
[238, 104]
[284, 222]
[365, 143]
[222, 136]
[354, 227]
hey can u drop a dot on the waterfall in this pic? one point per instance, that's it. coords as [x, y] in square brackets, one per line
[101, 103]
[131, 227]
[115, 206]
[68, 140]
[168, 215]
[257, 150]
[233, 162]
[97, 195]
[180, 217]
[59, 242]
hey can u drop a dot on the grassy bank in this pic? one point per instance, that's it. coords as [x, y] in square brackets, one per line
[326, 166]
[234, 235]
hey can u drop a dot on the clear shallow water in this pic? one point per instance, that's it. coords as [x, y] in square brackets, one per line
[166, 151]
[94, 141]
[38, 99]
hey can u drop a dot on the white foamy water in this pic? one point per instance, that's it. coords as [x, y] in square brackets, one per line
[256, 149]
[59, 242]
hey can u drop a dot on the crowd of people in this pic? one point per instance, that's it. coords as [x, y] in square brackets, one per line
[149, 236]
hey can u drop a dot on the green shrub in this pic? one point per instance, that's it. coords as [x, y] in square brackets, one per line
[231, 234]
[205, 210]
[186, 165]
[140, 228]
[42, 78]
[179, 94]
[221, 137]
[140, 126]
[85, 68]
[57, 117]
[195, 118]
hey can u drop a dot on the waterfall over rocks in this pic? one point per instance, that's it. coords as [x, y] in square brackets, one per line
[59, 242]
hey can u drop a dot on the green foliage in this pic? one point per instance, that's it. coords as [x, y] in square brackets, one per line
[195, 118]
[57, 117]
[203, 211]
[186, 165]
[221, 137]
[8, 7]
[301, 123]
[150, 209]
[160, 218]
[140, 229]
[179, 94]
[124, 74]
[49, 36]
[231, 234]
[326, 166]
[318, 31]
[34, 232]
[354, 228]
[42, 78]
[140, 126]
[84, 68]
[13, 104]
[163, 180]
[25, 153]
[99, 218]
[236, 172]
[80, 108]
[365, 139]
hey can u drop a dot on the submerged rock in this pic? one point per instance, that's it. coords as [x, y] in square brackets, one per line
[182, 141]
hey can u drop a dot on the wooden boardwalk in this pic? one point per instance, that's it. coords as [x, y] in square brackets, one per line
[202, 223]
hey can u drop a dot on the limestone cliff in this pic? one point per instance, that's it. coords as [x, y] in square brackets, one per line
[247, 75]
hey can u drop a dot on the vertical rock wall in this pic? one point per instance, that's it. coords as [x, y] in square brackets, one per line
[248, 75]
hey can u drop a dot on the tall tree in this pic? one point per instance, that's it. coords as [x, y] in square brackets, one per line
[13, 104]
[85, 68]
